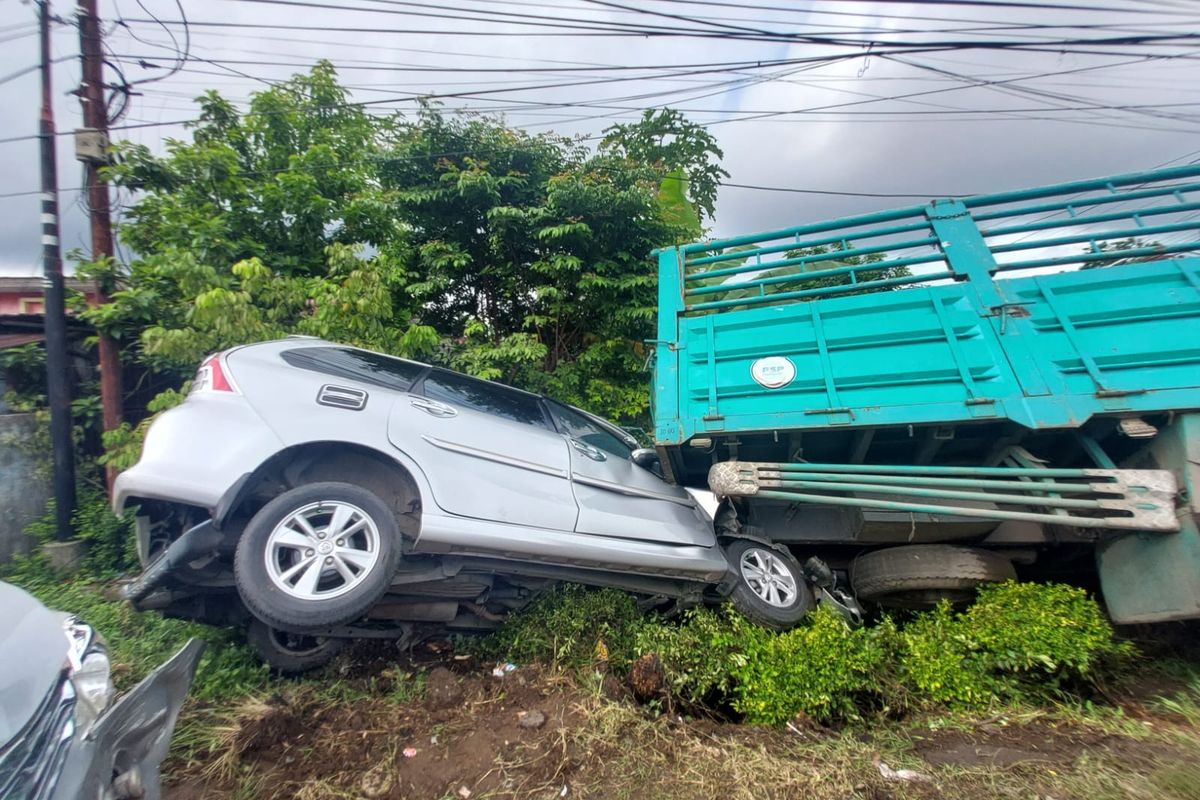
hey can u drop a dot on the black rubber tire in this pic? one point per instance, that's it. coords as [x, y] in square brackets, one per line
[292, 653]
[753, 607]
[282, 611]
[919, 576]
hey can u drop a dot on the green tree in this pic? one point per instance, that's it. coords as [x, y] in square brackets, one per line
[681, 151]
[532, 254]
[265, 223]
[1118, 246]
[512, 256]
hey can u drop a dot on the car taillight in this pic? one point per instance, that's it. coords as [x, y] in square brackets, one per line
[212, 377]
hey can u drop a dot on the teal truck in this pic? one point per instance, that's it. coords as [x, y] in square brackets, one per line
[906, 404]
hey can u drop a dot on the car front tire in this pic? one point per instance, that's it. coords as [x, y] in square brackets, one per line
[316, 557]
[771, 590]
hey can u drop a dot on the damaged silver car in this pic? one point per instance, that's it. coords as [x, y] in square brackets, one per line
[320, 492]
[64, 735]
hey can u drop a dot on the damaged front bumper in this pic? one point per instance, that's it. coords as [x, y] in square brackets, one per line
[118, 756]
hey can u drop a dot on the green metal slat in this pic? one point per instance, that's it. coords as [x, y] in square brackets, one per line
[1073, 222]
[955, 350]
[1067, 205]
[963, 483]
[956, 511]
[1078, 187]
[872, 233]
[823, 292]
[823, 354]
[857, 221]
[813, 258]
[1080, 238]
[1056, 261]
[1072, 335]
[945, 494]
[908, 469]
[908, 261]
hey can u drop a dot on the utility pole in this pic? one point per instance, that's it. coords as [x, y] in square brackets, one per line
[95, 122]
[58, 387]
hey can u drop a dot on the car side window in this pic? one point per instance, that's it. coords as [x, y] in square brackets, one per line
[357, 365]
[490, 398]
[579, 426]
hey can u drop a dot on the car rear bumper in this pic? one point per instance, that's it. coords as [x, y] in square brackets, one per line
[195, 452]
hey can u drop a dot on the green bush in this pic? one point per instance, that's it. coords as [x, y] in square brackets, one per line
[569, 626]
[823, 668]
[697, 655]
[111, 547]
[1017, 641]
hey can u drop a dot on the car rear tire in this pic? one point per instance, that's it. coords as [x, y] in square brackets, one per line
[292, 653]
[316, 557]
[771, 590]
[921, 575]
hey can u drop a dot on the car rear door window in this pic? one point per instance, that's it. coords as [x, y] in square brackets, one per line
[490, 398]
[580, 426]
[357, 365]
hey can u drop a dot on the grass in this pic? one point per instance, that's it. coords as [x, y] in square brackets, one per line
[227, 739]
[141, 641]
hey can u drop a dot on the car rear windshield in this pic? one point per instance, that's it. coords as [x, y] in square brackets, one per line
[357, 365]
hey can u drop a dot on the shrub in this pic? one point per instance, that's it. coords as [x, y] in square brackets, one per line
[823, 668]
[110, 543]
[697, 655]
[569, 626]
[1017, 641]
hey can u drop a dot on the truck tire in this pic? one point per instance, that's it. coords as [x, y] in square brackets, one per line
[317, 556]
[291, 653]
[770, 590]
[919, 576]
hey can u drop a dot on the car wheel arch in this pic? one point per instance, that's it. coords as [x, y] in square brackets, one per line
[395, 482]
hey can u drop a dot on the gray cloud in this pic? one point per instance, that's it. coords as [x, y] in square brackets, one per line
[846, 149]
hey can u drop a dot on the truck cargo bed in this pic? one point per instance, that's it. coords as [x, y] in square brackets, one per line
[910, 317]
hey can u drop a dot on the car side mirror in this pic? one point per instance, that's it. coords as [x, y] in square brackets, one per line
[646, 458]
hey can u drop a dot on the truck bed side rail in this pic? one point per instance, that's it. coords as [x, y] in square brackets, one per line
[1120, 219]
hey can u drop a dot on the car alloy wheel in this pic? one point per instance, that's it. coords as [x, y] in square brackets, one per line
[322, 550]
[768, 577]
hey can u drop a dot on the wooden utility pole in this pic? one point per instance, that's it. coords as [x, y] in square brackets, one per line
[95, 121]
[58, 389]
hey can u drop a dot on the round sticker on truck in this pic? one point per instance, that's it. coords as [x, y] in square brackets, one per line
[773, 372]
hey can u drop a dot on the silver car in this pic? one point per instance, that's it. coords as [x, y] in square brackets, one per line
[333, 492]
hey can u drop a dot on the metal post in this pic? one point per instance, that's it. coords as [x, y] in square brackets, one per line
[95, 116]
[57, 384]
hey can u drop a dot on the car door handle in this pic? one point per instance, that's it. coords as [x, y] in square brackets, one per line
[586, 449]
[433, 407]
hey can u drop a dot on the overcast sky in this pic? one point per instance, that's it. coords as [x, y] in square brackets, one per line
[971, 121]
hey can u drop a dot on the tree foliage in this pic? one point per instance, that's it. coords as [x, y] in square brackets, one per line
[508, 255]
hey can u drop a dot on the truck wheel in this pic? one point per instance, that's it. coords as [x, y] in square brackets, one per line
[770, 589]
[919, 576]
[317, 556]
[291, 653]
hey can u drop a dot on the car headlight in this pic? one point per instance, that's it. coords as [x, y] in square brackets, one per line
[90, 672]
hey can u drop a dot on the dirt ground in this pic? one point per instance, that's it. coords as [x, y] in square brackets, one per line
[448, 728]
